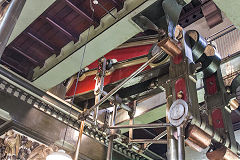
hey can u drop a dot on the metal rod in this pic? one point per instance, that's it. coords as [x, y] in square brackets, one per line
[118, 87]
[139, 126]
[79, 140]
[131, 122]
[160, 141]
[172, 142]
[9, 21]
[110, 148]
[158, 137]
[123, 106]
[181, 144]
[111, 137]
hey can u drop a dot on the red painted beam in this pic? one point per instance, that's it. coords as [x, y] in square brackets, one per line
[123, 54]
[88, 83]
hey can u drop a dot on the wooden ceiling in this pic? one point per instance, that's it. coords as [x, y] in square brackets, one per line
[60, 24]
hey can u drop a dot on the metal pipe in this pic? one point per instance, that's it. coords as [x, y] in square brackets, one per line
[139, 126]
[112, 136]
[160, 141]
[131, 121]
[9, 21]
[79, 140]
[158, 137]
[110, 148]
[123, 106]
[119, 86]
[95, 115]
[181, 144]
[172, 142]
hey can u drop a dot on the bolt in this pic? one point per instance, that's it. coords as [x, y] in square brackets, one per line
[95, 2]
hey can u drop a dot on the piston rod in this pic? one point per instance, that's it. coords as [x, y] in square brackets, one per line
[152, 141]
[119, 86]
[123, 106]
[139, 126]
[112, 136]
[79, 141]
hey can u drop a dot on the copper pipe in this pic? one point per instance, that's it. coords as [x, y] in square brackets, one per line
[222, 153]
[79, 140]
[199, 137]
[168, 46]
[234, 104]
[193, 145]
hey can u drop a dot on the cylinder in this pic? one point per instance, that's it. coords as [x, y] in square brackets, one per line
[222, 153]
[171, 141]
[181, 143]
[9, 21]
[199, 137]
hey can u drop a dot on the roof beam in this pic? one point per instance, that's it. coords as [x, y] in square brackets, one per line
[31, 10]
[11, 66]
[93, 19]
[42, 42]
[56, 25]
[19, 50]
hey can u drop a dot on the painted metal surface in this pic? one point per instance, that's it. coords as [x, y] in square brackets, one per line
[217, 118]
[88, 83]
[230, 8]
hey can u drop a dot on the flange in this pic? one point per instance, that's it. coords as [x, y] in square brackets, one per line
[178, 112]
